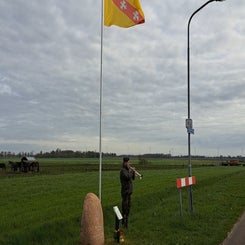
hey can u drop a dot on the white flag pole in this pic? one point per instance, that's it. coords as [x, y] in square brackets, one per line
[101, 94]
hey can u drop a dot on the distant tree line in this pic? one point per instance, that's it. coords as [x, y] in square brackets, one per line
[58, 153]
[9, 154]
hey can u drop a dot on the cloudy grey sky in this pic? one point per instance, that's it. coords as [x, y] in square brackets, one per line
[50, 71]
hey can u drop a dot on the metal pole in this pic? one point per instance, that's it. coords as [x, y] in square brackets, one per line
[180, 201]
[101, 95]
[189, 120]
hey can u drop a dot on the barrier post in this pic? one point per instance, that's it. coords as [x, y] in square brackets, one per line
[180, 201]
[182, 182]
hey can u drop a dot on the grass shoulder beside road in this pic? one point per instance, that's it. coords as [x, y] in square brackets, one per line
[46, 208]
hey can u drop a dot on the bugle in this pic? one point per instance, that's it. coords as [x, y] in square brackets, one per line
[136, 172]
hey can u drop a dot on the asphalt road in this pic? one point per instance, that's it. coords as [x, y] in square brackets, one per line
[237, 234]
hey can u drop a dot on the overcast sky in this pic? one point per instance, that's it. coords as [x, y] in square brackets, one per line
[50, 78]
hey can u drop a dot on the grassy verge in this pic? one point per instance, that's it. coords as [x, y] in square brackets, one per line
[46, 208]
[74, 165]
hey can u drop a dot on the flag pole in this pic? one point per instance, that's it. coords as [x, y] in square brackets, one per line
[101, 94]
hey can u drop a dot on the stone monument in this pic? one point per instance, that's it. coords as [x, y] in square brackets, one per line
[92, 223]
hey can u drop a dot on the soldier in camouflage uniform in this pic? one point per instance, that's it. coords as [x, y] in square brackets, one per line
[127, 175]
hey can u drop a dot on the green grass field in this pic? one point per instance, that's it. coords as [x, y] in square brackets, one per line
[46, 207]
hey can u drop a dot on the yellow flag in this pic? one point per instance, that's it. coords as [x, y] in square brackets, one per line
[123, 13]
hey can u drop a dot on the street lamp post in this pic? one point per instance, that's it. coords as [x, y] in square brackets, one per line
[189, 124]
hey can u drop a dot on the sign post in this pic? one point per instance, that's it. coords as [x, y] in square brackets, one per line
[118, 233]
[180, 201]
[182, 182]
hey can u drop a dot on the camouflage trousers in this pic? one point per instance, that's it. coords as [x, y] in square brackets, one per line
[126, 204]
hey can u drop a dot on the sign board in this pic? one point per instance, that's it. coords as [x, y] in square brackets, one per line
[188, 123]
[117, 212]
[182, 182]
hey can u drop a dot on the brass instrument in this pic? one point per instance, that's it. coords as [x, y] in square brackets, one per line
[136, 172]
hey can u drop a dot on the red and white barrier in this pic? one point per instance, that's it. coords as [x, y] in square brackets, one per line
[182, 182]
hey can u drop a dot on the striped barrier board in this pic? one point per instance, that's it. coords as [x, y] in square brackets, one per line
[182, 182]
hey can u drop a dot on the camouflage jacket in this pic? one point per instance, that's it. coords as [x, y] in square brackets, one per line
[126, 177]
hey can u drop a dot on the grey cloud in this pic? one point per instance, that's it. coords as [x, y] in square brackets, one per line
[49, 77]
